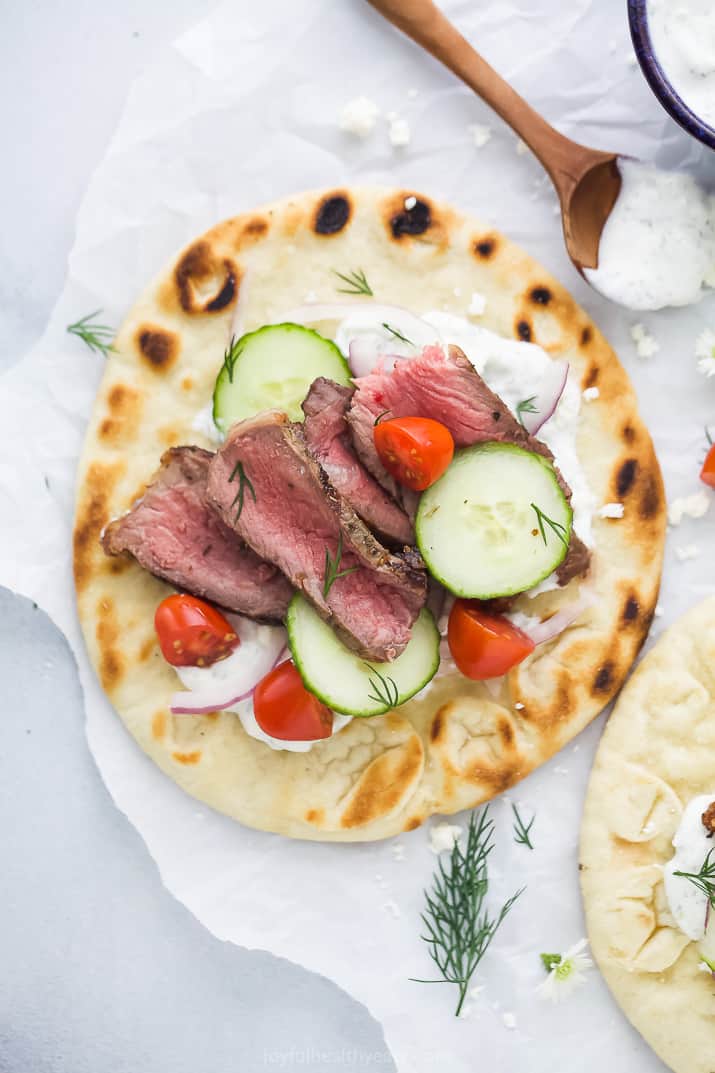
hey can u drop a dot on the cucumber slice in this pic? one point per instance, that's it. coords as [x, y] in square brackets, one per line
[342, 679]
[477, 526]
[273, 369]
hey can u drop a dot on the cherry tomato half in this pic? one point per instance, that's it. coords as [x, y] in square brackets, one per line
[484, 645]
[192, 633]
[707, 473]
[414, 450]
[285, 709]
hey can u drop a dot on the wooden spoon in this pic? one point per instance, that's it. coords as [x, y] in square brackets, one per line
[587, 181]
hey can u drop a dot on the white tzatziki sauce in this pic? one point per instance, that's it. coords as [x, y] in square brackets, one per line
[256, 655]
[692, 845]
[683, 36]
[657, 248]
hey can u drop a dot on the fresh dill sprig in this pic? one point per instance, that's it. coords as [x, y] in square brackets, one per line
[97, 336]
[231, 356]
[379, 417]
[526, 406]
[522, 830]
[704, 880]
[458, 926]
[385, 688]
[397, 335]
[243, 484]
[332, 567]
[356, 282]
[556, 527]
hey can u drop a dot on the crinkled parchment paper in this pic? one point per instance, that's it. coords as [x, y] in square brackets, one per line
[239, 111]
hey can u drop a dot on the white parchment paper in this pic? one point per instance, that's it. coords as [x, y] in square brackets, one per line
[239, 111]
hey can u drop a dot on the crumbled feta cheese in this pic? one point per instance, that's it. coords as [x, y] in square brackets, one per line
[705, 352]
[611, 510]
[477, 305]
[646, 344]
[689, 551]
[399, 132]
[591, 393]
[392, 908]
[481, 134]
[359, 116]
[410, 202]
[443, 836]
[658, 613]
[693, 506]
[509, 1019]
[398, 851]
[519, 706]
[521, 147]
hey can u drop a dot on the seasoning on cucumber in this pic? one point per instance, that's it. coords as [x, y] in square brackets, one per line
[496, 524]
[272, 368]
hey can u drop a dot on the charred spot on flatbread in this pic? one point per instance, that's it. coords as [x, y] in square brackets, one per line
[411, 221]
[255, 228]
[651, 500]
[586, 335]
[604, 679]
[92, 515]
[205, 283]
[158, 347]
[523, 330]
[631, 609]
[332, 214]
[485, 247]
[540, 295]
[625, 476]
[111, 659]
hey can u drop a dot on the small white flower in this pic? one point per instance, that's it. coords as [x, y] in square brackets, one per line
[567, 974]
[705, 352]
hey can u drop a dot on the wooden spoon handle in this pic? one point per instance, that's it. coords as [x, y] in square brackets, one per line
[421, 20]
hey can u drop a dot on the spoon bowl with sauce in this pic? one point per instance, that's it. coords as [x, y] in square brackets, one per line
[642, 237]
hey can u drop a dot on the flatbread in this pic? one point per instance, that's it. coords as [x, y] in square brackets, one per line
[458, 745]
[657, 753]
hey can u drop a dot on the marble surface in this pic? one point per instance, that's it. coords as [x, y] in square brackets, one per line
[102, 970]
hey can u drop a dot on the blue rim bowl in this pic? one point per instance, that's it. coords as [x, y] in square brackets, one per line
[657, 80]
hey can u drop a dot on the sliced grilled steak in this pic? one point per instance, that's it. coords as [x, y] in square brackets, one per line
[328, 437]
[449, 389]
[174, 534]
[291, 515]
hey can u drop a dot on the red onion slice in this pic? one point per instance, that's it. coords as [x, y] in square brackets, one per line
[246, 668]
[414, 328]
[552, 627]
[547, 398]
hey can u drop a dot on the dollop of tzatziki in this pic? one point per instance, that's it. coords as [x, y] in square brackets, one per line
[683, 36]
[687, 903]
[657, 248]
[256, 655]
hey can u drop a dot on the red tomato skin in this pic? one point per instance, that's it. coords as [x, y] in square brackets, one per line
[484, 645]
[416, 451]
[286, 710]
[192, 633]
[707, 473]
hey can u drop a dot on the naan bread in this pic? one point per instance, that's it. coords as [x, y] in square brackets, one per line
[657, 752]
[458, 745]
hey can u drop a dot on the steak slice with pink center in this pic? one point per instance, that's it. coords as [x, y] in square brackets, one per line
[174, 534]
[265, 484]
[447, 388]
[328, 437]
